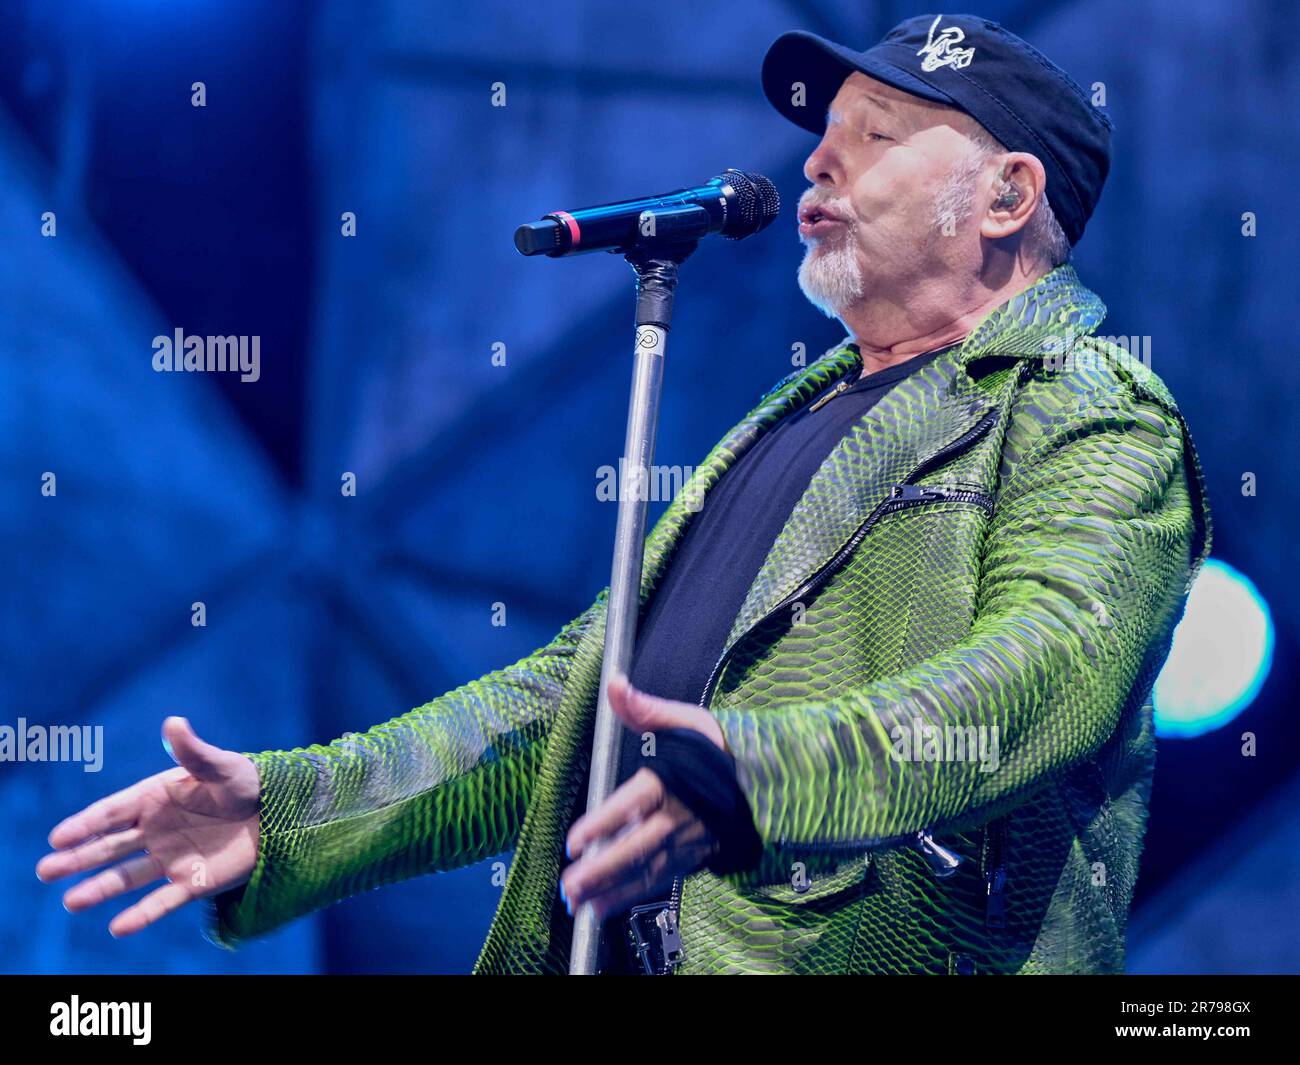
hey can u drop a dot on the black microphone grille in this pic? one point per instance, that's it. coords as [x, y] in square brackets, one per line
[755, 204]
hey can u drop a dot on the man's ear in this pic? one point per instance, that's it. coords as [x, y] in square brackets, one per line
[1017, 192]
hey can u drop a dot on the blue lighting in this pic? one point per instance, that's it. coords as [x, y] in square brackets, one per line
[1222, 652]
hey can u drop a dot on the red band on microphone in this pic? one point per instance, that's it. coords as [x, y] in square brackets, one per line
[575, 233]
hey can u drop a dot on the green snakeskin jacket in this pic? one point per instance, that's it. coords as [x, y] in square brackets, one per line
[1022, 597]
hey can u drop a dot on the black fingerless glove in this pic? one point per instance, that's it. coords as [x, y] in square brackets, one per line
[702, 776]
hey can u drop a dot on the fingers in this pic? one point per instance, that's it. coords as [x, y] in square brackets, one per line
[113, 882]
[153, 907]
[637, 860]
[682, 851]
[626, 892]
[121, 809]
[110, 814]
[641, 711]
[632, 801]
[98, 851]
[201, 759]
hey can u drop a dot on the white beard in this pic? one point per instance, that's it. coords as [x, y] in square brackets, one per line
[831, 277]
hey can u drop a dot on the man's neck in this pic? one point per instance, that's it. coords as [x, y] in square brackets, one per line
[888, 333]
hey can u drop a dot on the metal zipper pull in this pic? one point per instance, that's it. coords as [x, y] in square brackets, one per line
[915, 493]
[943, 862]
[671, 938]
[844, 384]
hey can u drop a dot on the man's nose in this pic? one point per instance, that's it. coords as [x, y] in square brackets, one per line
[822, 168]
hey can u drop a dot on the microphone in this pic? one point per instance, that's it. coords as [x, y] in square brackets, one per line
[734, 204]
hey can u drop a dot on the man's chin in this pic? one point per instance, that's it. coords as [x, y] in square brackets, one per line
[828, 303]
[830, 278]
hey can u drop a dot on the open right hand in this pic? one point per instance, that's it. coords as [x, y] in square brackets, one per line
[196, 826]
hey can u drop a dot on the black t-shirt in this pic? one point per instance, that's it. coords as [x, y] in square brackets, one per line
[687, 622]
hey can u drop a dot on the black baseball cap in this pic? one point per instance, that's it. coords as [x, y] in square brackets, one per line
[1010, 88]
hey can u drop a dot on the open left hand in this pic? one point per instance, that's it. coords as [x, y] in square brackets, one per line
[640, 837]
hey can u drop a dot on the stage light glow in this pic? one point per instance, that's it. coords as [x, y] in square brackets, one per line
[1222, 651]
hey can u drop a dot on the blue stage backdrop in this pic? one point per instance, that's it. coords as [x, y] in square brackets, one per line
[340, 180]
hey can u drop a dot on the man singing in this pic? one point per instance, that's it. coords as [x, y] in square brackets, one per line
[889, 707]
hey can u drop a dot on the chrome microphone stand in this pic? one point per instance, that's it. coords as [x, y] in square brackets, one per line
[656, 272]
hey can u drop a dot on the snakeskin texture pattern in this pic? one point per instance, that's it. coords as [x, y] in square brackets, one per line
[970, 656]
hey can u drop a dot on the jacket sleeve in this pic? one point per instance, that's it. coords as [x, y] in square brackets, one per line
[1097, 532]
[436, 788]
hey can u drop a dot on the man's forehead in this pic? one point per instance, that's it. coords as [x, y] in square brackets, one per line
[861, 91]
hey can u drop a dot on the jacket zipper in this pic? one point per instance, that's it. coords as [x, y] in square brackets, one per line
[903, 495]
[994, 866]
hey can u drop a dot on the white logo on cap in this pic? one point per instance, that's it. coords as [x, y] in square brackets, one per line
[939, 51]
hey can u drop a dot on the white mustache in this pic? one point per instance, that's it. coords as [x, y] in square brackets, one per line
[814, 198]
